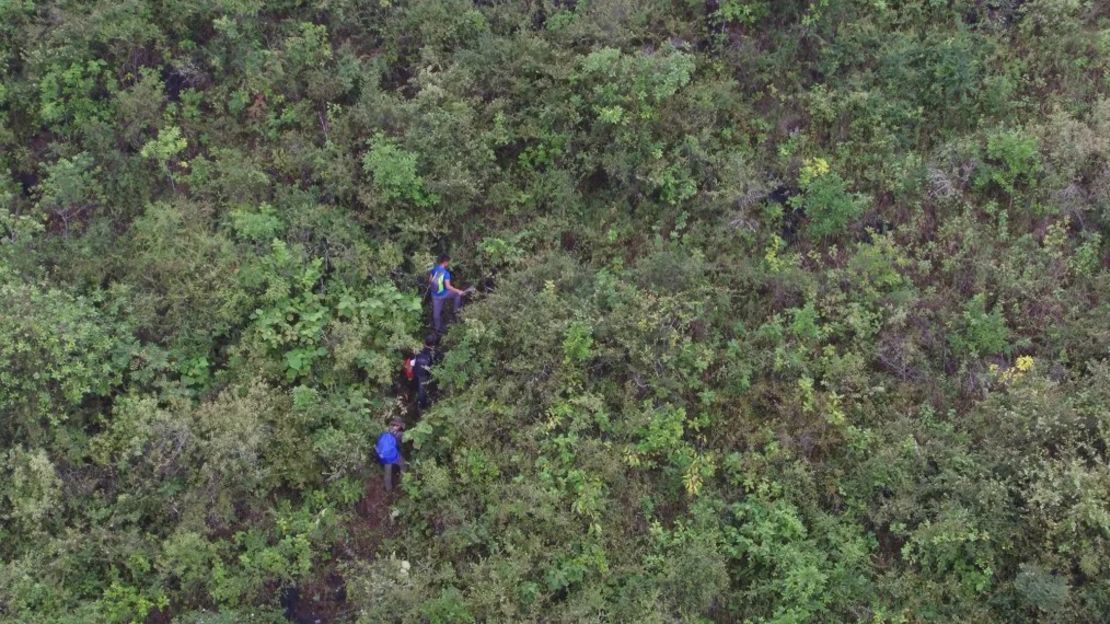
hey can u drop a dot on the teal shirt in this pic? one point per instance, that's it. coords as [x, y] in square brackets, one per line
[439, 278]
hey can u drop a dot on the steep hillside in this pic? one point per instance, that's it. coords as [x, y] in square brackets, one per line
[785, 310]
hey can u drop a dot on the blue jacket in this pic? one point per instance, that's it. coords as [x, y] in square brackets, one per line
[388, 450]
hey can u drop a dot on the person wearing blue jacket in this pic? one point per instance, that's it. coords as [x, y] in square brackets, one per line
[388, 449]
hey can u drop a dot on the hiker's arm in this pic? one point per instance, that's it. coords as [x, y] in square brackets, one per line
[451, 288]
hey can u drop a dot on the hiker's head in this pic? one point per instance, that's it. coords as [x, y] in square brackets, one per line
[443, 260]
[396, 425]
[430, 340]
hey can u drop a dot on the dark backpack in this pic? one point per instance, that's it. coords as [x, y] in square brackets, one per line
[422, 362]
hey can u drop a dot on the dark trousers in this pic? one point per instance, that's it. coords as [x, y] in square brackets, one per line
[422, 394]
[437, 309]
[392, 473]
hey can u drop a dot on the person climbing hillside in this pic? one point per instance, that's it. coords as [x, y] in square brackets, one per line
[442, 291]
[388, 449]
[421, 364]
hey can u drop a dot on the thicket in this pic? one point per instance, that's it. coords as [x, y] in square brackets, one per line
[789, 310]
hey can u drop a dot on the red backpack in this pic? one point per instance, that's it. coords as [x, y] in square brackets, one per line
[407, 368]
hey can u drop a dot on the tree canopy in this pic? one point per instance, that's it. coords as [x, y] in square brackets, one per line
[787, 310]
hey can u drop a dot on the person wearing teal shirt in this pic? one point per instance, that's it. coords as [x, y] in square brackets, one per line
[443, 291]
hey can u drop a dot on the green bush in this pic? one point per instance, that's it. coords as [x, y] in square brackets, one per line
[58, 350]
[828, 205]
[981, 332]
[394, 174]
[1013, 156]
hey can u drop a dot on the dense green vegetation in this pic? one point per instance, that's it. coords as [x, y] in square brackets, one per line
[788, 311]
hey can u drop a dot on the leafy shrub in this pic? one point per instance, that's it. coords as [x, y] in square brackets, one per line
[981, 332]
[72, 97]
[1047, 592]
[828, 204]
[1014, 156]
[394, 174]
[71, 183]
[33, 489]
[57, 350]
[742, 11]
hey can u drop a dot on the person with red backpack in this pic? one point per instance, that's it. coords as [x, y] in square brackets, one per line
[415, 368]
[421, 369]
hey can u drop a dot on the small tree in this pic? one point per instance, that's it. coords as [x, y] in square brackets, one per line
[165, 148]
